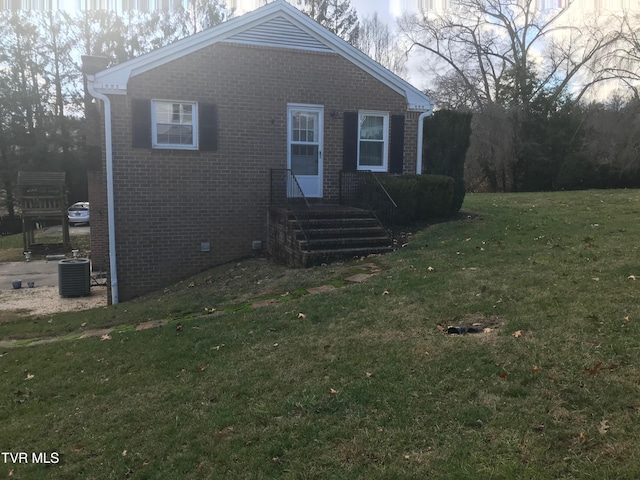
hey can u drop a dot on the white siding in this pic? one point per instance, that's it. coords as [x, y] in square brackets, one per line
[279, 32]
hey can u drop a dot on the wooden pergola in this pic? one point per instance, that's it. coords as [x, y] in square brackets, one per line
[43, 196]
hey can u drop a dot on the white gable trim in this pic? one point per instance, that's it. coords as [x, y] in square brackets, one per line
[114, 80]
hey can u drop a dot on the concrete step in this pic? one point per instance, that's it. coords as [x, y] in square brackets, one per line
[342, 232]
[337, 243]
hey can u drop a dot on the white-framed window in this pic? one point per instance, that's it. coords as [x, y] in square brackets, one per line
[174, 124]
[373, 141]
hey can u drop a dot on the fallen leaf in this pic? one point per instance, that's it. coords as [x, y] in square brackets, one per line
[430, 269]
[199, 467]
[595, 279]
[582, 438]
[538, 427]
[626, 319]
[517, 333]
[503, 374]
[29, 376]
[333, 392]
[631, 277]
[386, 292]
[369, 374]
[594, 370]
[10, 473]
[77, 448]
[535, 369]
[192, 284]
[301, 315]
[201, 368]
[83, 324]
[486, 330]
[603, 428]
[124, 453]
[407, 457]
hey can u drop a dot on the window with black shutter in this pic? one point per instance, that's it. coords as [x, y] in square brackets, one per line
[176, 125]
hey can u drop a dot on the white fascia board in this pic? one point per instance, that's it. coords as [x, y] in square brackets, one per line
[114, 80]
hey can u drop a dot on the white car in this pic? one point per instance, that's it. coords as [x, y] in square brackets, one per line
[78, 213]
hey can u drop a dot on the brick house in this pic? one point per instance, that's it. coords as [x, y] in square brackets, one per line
[183, 141]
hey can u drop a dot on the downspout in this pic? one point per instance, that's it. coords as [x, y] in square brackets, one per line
[420, 139]
[113, 269]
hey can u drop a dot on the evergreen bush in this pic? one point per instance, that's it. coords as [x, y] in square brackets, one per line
[420, 197]
[445, 142]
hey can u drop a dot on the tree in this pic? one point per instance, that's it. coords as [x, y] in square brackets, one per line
[380, 43]
[514, 64]
[484, 43]
[336, 15]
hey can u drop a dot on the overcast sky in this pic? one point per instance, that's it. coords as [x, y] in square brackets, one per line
[367, 7]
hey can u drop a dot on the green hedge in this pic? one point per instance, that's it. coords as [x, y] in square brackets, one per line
[446, 140]
[420, 197]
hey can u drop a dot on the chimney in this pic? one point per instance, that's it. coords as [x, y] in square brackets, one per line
[92, 64]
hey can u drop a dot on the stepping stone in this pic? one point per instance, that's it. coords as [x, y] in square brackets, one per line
[359, 278]
[96, 333]
[322, 289]
[154, 324]
[265, 303]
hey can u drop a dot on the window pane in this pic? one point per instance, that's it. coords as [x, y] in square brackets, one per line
[174, 122]
[371, 154]
[304, 159]
[163, 112]
[371, 128]
[304, 127]
[175, 134]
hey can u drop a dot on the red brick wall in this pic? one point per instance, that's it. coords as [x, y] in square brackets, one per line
[169, 201]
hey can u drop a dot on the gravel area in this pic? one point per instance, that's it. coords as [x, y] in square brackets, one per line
[47, 300]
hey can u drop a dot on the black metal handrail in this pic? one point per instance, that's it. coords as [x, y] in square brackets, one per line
[363, 189]
[286, 192]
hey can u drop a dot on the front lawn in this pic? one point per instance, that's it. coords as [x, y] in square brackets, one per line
[362, 381]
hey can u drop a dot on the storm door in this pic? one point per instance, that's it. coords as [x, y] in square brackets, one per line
[304, 136]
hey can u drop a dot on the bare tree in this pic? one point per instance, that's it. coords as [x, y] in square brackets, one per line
[377, 40]
[488, 45]
[336, 15]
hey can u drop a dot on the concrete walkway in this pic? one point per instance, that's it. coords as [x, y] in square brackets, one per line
[41, 272]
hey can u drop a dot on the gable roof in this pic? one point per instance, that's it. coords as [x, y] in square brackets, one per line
[277, 24]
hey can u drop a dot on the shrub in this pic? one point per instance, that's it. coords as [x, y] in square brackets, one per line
[420, 197]
[446, 140]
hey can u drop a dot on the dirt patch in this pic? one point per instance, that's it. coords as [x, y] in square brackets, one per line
[46, 300]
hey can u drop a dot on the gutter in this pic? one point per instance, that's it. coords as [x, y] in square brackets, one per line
[420, 138]
[113, 269]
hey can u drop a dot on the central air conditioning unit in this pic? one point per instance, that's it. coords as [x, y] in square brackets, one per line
[74, 277]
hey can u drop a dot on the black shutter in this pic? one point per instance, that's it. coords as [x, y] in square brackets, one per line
[350, 142]
[396, 144]
[207, 127]
[141, 123]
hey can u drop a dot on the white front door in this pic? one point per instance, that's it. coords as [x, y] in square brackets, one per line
[304, 152]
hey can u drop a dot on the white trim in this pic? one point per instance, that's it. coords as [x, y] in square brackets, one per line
[385, 140]
[115, 79]
[319, 109]
[174, 146]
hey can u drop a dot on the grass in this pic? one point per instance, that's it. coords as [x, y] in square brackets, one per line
[366, 384]
[12, 246]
